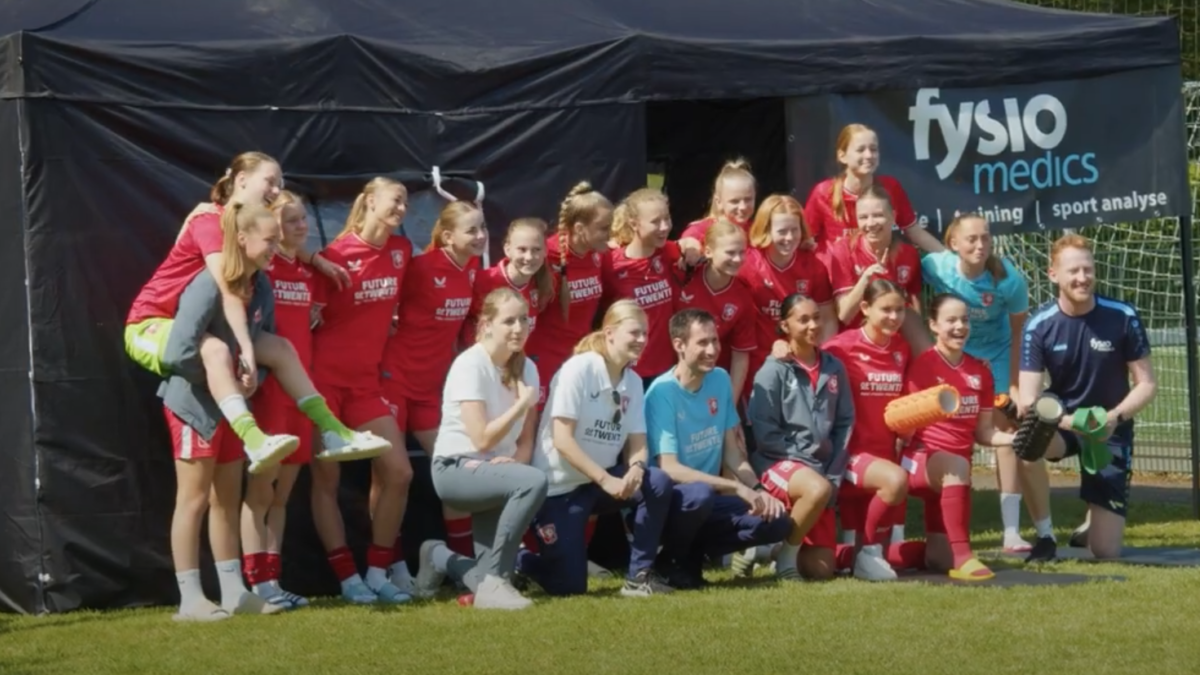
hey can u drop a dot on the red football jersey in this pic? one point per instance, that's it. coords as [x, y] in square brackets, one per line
[348, 345]
[973, 380]
[489, 280]
[877, 376]
[652, 283]
[699, 229]
[159, 298]
[733, 309]
[556, 336]
[847, 261]
[296, 291]
[429, 321]
[826, 228]
[770, 285]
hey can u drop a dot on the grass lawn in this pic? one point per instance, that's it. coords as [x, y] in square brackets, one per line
[1147, 624]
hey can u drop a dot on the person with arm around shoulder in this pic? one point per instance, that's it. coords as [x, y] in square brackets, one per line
[802, 414]
[481, 457]
[592, 421]
[718, 505]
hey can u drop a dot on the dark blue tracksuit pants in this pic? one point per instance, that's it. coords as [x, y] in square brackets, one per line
[560, 565]
[703, 523]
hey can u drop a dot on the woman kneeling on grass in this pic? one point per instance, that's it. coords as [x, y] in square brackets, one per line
[939, 458]
[481, 457]
[593, 413]
[193, 350]
[801, 411]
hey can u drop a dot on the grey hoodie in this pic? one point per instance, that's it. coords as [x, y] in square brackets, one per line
[185, 392]
[791, 422]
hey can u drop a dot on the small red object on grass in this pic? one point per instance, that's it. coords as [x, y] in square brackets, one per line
[466, 599]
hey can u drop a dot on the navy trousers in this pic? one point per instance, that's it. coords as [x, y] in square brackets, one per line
[560, 565]
[702, 523]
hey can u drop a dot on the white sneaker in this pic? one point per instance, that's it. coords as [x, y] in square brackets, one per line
[201, 612]
[273, 451]
[249, 603]
[597, 572]
[870, 565]
[401, 578]
[429, 578]
[360, 445]
[497, 593]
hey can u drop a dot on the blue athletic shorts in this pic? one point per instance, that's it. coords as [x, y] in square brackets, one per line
[1108, 489]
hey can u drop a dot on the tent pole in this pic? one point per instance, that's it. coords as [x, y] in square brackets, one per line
[1193, 357]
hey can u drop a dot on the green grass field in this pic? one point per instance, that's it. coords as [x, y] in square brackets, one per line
[1146, 624]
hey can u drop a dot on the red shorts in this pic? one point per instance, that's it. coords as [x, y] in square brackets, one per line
[355, 406]
[277, 413]
[225, 447]
[852, 498]
[412, 415]
[824, 533]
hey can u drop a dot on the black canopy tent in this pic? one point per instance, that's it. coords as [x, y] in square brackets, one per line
[119, 114]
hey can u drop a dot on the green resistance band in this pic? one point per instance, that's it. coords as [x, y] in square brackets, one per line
[1089, 423]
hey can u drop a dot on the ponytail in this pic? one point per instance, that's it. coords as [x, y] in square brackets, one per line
[358, 211]
[625, 218]
[619, 312]
[993, 264]
[247, 162]
[583, 204]
[734, 168]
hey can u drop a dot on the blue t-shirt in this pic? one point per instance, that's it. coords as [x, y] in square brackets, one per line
[1086, 356]
[689, 424]
[989, 303]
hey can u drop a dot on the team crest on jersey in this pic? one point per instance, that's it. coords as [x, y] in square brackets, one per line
[547, 533]
[656, 265]
[471, 277]
[533, 296]
[802, 286]
[903, 272]
[986, 299]
[712, 406]
[899, 358]
[305, 272]
[973, 382]
[595, 259]
[728, 312]
[397, 259]
[832, 384]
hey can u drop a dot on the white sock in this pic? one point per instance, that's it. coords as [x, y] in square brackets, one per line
[1010, 514]
[399, 569]
[229, 573]
[350, 581]
[787, 557]
[441, 558]
[897, 534]
[848, 537]
[190, 591]
[266, 589]
[1044, 528]
[233, 407]
[376, 578]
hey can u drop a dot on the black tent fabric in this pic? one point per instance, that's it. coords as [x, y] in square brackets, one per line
[121, 112]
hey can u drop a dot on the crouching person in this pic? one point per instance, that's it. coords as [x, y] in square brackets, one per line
[718, 505]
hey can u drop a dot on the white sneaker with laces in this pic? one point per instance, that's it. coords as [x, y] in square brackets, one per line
[870, 565]
[273, 451]
[429, 577]
[497, 593]
[360, 445]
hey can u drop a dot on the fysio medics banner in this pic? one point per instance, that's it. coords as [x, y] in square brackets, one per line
[1030, 157]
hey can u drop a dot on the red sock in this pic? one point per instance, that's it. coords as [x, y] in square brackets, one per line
[877, 526]
[380, 556]
[530, 541]
[274, 566]
[956, 515]
[843, 556]
[254, 568]
[398, 551]
[458, 536]
[588, 531]
[907, 555]
[342, 562]
[898, 514]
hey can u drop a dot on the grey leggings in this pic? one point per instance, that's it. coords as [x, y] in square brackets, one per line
[502, 500]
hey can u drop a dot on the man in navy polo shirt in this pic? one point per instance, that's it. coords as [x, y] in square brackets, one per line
[1091, 347]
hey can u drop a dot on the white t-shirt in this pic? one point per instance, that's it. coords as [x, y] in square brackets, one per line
[473, 377]
[582, 391]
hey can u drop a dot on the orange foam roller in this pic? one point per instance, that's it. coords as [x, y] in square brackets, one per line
[915, 411]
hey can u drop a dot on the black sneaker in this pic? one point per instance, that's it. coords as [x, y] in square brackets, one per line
[1079, 537]
[645, 584]
[1045, 550]
[680, 576]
